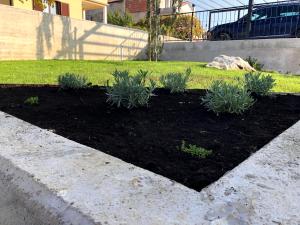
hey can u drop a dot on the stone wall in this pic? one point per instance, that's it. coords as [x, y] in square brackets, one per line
[282, 55]
[26, 34]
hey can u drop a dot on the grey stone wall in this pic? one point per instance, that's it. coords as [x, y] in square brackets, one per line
[282, 55]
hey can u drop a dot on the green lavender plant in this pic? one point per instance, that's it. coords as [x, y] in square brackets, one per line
[176, 82]
[72, 81]
[258, 83]
[222, 97]
[130, 91]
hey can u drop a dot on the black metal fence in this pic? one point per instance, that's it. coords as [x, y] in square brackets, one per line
[268, 20]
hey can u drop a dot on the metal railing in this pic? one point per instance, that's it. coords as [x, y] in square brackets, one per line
[267, 20]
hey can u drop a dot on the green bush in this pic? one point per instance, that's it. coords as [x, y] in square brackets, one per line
[130, 91]
[141, 24]
[176, 82]
[34, 100]
[120, 19]
[227, 98]
[258, 83]
[72, 81]
[195, 150]
[255, 63]
[179, 26]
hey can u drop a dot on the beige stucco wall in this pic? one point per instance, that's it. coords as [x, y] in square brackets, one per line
[28, 34]
[23, 4]
[276, 54]
[75, 6]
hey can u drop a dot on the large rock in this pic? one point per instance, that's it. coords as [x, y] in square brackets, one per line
[230, 63]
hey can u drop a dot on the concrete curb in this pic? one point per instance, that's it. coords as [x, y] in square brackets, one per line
[47, 179]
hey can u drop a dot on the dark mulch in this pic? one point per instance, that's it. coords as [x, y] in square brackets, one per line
[150, 137]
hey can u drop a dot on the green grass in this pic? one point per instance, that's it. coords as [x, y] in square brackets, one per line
[98, 72]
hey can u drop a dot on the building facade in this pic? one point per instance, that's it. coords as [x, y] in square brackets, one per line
[76, 9]
[138, 8]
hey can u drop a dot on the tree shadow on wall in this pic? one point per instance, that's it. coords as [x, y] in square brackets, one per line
[68, 41]
[45, 32]
[58, 38]
[72, 46]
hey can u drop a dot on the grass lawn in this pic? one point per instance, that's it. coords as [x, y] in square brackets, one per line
[98, 72]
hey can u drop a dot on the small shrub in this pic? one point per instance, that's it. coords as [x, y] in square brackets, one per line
[195, 150]
[72, 81]
[180, 26]
[258, 83]
[176, 82]
[130, 91]
[120, 19]
[255, 63]
[32, 101]
[223, 97]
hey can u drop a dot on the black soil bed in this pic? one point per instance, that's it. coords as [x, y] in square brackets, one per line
[150, 137]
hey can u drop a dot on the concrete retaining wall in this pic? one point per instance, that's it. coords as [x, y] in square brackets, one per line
[28, 34]
[282, 55]
[46, 179]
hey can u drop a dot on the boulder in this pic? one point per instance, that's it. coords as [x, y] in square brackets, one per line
[225, 62]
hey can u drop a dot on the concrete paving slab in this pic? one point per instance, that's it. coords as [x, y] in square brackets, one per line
[48, 179]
